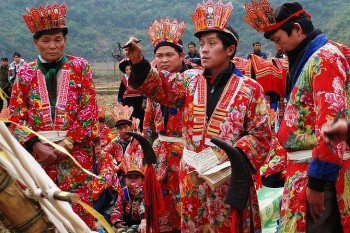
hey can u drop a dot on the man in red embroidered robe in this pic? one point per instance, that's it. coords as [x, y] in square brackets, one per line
[55, 96]
[124, 145]
[162, 124]
[316, 194]
[217, 102]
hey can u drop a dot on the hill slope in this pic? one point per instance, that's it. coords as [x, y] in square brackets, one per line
[95, 25]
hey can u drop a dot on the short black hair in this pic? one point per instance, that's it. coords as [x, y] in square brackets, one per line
[38, 34]
[191, 43]
[305, 23]
[16, 54]
[123, 122]
[4, 59]
[178, 47]
[256, 43]
[227, 41]
[285, 12]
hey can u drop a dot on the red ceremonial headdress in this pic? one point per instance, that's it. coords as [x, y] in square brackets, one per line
[166, 32]
[122, 114]
[133, 164]
[101, 112]
[46, 18]
[263, 18]
[211, 16]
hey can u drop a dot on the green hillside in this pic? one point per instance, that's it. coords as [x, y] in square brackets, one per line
[95, 25]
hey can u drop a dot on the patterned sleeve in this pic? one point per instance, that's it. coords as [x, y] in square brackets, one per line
[117, 212]
[19, 103]
[149, 128]
[276, 161]
[106, 171]
[82, 129]
[329, 72]
[162, 87]
[115, 151]
[255, 142]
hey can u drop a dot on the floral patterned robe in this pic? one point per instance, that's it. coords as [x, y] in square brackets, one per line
[240, 121]
[132, 157]
[168, 158]
[76, 111]
[129, 207]
[321, 93]
[276, 161]
[106, 136]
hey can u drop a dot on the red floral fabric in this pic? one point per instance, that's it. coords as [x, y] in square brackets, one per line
[320, 95]
[79, 115]
[168, 159]
[243, 123]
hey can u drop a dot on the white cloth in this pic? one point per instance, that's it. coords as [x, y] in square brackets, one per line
[53, 135]
[307, 154]
[299, 155]
[169, 139]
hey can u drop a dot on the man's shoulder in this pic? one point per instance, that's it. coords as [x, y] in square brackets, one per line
[331, 49]
[249, 82]
[77, 60]
[193, 72]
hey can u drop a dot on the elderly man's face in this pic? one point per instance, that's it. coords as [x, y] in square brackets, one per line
[51, 46]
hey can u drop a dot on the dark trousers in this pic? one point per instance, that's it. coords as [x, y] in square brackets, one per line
[329, 222]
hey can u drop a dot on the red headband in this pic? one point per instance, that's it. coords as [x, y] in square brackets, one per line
[279, 24]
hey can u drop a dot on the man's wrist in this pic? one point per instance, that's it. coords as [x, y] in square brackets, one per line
[316, 184]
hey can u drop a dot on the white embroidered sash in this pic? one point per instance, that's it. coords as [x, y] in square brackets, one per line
[227, 98]
[62, 97]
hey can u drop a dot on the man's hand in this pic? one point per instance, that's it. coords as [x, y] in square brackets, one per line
[133, 51]
[142, 226]
[334, 132]
[315, 201]
[61, 155]
[45, 153]
[120, 225]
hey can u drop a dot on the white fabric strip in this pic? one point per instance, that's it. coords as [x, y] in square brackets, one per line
[299, 155]
[53, 135]
[346, 155]
[307, 154]
[169, 139]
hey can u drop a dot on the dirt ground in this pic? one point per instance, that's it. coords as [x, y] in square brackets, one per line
[107, 96]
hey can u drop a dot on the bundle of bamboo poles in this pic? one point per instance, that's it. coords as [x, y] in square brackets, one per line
[29, 200]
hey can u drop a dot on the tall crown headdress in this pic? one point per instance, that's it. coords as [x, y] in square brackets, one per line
[122, 114]
[166, 31]
[132, 163]
[260, 16]
[101, 112]
[212, 16]
[46, 18]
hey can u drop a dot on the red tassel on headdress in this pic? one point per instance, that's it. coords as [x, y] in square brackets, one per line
[153, 198]
[234, 221]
